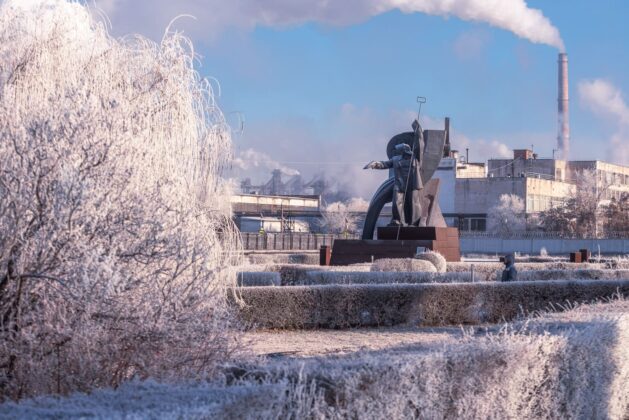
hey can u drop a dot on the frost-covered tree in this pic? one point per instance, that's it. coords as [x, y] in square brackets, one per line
[582, 213]
[617, 215]
[507, 216]
[343, 217]
[116, 244]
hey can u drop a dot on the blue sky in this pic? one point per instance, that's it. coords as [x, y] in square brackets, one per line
[321, 96]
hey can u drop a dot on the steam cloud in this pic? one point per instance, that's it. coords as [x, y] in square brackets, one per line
[606, 100]
[251, 159]
[218, 15]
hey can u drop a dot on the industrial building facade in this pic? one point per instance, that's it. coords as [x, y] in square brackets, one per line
[468, 191]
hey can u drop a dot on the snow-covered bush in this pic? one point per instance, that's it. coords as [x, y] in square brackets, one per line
[585, 274]
[371, 305]
[311, 258]
[116, 244]
[507, 216]
[259, 278]
[380, 277]
[620, 262]
[563, 365]
[403, 264]
[436, 259]
[343, 217]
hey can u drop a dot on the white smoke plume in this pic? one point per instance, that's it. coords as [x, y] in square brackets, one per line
[606, 100]
[251, 159]
[217, 15]
[511, 15]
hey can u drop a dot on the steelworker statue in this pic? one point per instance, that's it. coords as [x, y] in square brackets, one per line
[406, 164]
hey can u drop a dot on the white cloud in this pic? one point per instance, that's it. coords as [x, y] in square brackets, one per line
[606, 100]
[217, 15]
[480, 149]
[603, 98]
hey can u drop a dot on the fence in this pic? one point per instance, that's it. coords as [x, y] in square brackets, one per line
[478, 242]
[289, 241]
[533, 245]
[540, 235]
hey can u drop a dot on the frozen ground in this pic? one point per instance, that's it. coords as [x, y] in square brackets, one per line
[309, 343]
[572, 364]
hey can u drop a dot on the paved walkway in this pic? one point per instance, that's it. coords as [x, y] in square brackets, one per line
[309, 343]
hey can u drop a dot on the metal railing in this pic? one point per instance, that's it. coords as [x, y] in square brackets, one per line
[313, 241]
[290, 241]
[541, 235]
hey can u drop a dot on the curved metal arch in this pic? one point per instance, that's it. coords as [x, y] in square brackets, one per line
[383, 195]
[435, 141]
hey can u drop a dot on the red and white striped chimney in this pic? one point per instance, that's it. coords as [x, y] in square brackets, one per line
[563, 137]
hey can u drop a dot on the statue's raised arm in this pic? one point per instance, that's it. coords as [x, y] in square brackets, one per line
[374, 164]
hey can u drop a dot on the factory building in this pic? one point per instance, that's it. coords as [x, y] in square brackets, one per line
[275, 213]
[468, 191]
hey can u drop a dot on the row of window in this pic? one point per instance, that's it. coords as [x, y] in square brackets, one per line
[613, 178]
[536, 203]
[472, 224]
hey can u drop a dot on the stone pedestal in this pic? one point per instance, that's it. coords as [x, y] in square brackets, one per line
[394, 244]
[444, 240]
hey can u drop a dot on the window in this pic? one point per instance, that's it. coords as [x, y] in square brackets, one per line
[478, 225]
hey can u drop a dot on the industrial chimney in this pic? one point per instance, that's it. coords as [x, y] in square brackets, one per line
[563, 137]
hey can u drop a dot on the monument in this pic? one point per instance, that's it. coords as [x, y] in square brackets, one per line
[417, 221]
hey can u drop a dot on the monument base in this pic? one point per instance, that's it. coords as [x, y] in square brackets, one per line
[394, 244]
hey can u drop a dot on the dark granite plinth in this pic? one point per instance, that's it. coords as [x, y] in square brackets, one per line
[442, 240]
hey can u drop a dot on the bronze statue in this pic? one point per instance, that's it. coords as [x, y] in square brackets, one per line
[406, 164]
[410, 187]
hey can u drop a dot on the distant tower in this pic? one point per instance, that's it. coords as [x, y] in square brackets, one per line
[276, 183]
[563, 136]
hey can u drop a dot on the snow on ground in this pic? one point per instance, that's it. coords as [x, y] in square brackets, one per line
[308, 343]
[569, 364]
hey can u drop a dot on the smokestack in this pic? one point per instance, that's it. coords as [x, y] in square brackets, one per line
[563, 137]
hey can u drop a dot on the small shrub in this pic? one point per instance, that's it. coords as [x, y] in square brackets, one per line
[328, 277]
[619, 263]
[259, 278]
[436, 259]
[403, 264]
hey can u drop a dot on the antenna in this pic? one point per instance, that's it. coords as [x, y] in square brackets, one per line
[420, 100]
